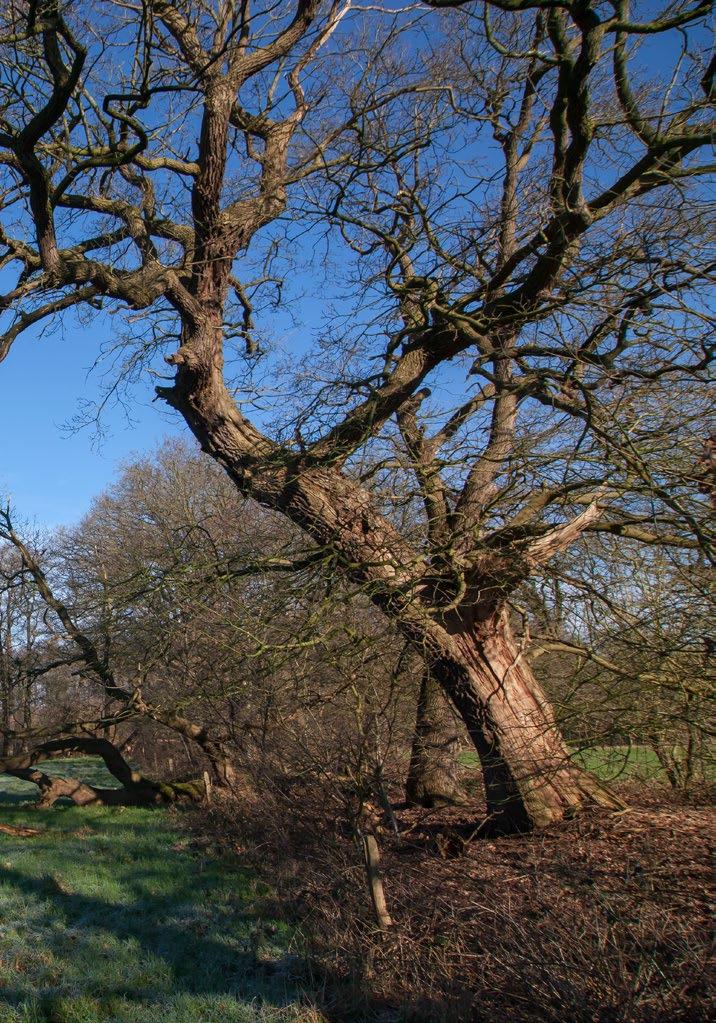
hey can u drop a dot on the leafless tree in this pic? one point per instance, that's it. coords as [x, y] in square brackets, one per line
[180, 639]
[521, 214]
[21, 648]
[628, 651]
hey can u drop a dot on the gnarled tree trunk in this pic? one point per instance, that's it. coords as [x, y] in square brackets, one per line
[530, 777]
[433, 774]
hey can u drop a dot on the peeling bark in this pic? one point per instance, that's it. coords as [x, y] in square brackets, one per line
[530, 780]
[530, 777]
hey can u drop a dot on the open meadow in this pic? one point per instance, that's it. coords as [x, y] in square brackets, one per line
[110, 916]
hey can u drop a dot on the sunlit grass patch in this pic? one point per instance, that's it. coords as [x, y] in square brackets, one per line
[107, 914]
[622, 763]
[609, 763]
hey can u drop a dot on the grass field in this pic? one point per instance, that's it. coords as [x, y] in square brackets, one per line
[108, 916]
[609, 763]
[622, 763]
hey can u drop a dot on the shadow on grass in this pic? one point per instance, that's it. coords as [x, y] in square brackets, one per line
[172, 941]
[108, 904]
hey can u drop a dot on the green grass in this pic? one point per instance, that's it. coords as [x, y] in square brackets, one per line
[108, 917]
[608, 763]
[621, 763]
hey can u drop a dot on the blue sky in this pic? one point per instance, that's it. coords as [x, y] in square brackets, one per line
[50, 472]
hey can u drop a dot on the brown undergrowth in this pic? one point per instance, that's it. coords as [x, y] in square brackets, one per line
[602, 919]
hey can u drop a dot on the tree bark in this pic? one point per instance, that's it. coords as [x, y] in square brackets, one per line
[530, 777]
[433, 772]
[52, 789]
[530, 780]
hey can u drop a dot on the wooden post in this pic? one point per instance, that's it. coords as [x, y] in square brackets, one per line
[371, 856]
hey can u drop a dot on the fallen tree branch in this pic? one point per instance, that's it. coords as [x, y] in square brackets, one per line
[8, 829]
[136, 790]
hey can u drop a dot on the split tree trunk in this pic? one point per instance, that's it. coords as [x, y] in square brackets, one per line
[433, 774]
[530, 778]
